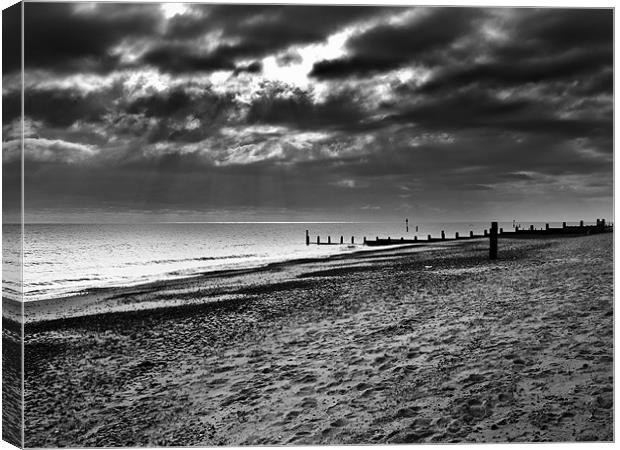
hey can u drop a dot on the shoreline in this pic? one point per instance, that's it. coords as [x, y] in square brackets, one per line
[418, 347]
[93, 301]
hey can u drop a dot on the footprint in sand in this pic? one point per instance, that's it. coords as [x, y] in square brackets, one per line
[454, 426]
[307, 378]
[411, 411]
[338, 423]
[473, 378]
[292, 414]
[308, 403]
[306, 390]
[381, 359]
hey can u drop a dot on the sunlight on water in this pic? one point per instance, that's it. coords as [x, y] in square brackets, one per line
[62, 259]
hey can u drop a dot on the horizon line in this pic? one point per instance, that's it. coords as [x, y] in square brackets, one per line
[267, 222]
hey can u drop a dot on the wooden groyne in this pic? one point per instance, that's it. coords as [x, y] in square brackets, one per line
[492, 233]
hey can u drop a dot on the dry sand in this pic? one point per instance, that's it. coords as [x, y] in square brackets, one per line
[439, 346]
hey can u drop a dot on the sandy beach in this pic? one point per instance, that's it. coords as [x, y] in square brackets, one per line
[395, 346]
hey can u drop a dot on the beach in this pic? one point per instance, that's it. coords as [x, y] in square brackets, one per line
[409, 345]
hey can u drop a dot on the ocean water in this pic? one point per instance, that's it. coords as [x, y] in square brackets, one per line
[65, 259]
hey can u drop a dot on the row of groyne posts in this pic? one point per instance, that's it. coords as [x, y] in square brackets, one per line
[492, 233]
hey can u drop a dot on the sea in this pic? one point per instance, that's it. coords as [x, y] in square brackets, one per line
[66, 259]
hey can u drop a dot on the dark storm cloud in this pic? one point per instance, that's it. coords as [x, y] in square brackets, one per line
[11, 39]
[478, 109]
[273, 27]
[256, 30]
[476, 161]
[296, 108]
[507, 72]
[549, 45]
[545, 45]
[387, 47]
[63, 107]
[567, 27]
[253, 67]
[58, 107]
[186, 113]
[178, 58]
[569, 45]
[63, 37]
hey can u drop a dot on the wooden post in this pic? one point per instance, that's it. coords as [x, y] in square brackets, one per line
[364, 239]
[429, 237]
[493, 241]
[402, 239]
[471, 234]
[342, 239]
[318, 239]
[501, 231]
[546, 227]
[352, 239]
[307, 238]
[407, 225]
[415, 238]
[329, 239]
[486, 233]
[443, 235]
[456, 235]
[581, 223]
[563, 224]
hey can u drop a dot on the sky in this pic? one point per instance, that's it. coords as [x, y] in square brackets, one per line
[197, 112]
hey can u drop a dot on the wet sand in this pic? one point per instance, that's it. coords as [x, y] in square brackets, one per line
[390, 347]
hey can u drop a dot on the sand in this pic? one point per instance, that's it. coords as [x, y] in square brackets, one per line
[390, 347]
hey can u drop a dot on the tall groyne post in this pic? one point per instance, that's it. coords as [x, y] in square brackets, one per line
[307, 238]
[493, 241]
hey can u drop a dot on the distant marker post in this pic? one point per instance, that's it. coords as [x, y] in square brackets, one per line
[493, 241]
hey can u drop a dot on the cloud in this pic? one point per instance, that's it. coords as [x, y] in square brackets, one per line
[346, 183]
[11, 39]
[178, 58]
[278, 103]
[63, 107]
[246, 32]
[66, 37]
[545, 45]
[40, 150]
[390, 46]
